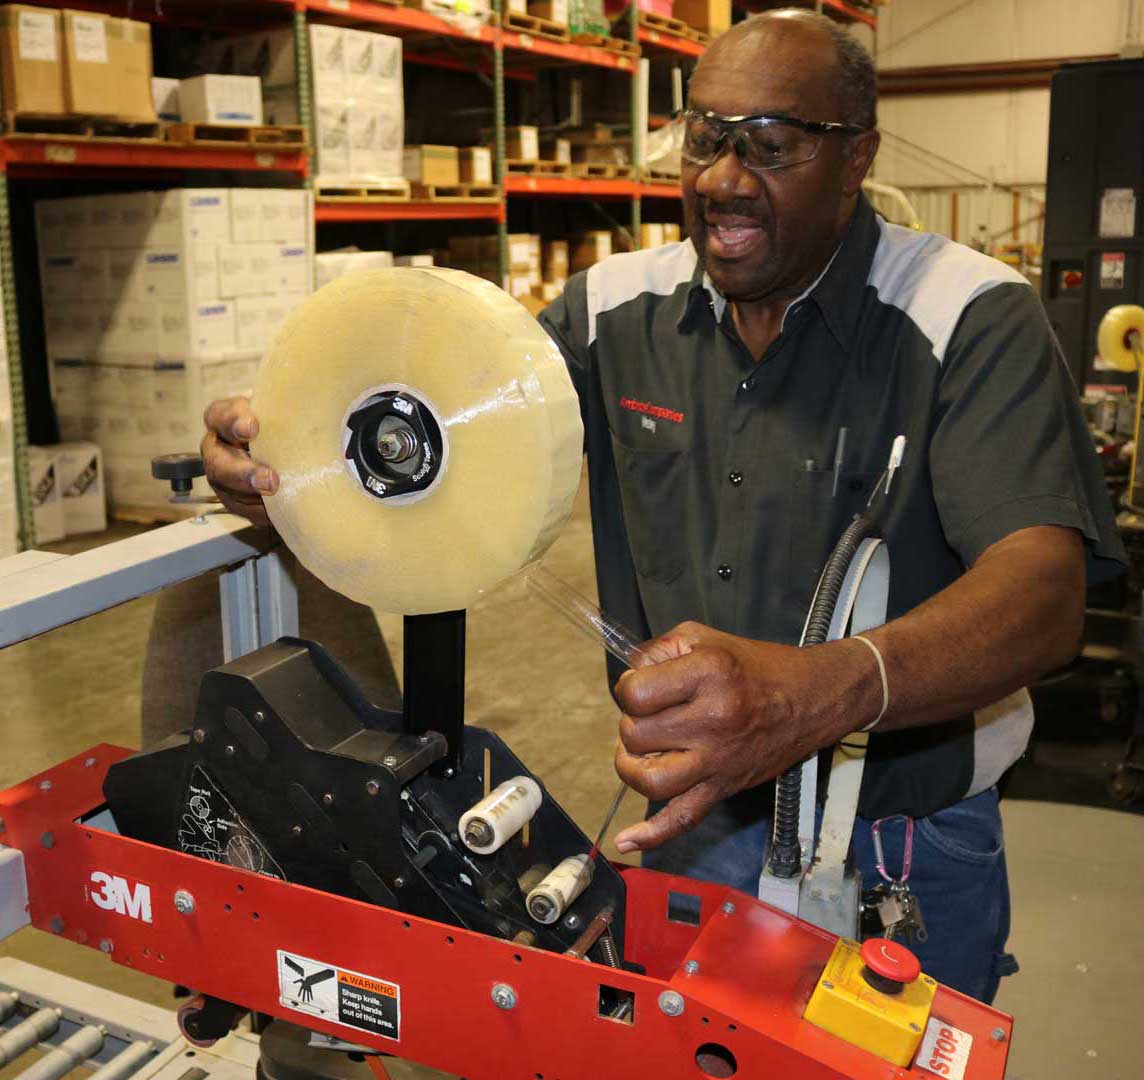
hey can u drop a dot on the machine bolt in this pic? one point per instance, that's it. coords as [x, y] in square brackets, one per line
[47, 840]
[914, 1027]
[200, 736]
[45, 785]
[998, 1034]
[671, 1003]
[57, 925]
[728, 908]
[572, 921]
[296, 830]
[259, 717]
[372, 787]
[504, 996]
[105, 945]
[184, 902]
[229, 750]
[479, 833]
[389, 761]
[826, 985]
[88, 762]
[328, 799]
[450, 773]
[399, 882]
[691, 967]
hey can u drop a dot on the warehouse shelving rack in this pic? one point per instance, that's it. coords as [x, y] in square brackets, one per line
[492, 50]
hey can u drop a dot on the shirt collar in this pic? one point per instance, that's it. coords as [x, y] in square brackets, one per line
[837, 292]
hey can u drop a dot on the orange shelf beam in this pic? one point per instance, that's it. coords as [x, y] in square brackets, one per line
[655, 41]
[61, 154]
[408, 211]
[544, 185]
[661, 191]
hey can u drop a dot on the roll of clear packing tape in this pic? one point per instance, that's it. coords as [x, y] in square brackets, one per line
[1121, 328]
[426, 435]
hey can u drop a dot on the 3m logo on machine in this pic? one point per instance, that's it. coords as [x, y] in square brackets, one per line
[113, 893]
[945, 1050]
[344, 997]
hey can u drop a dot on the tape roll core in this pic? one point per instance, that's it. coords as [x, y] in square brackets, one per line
[350, 391]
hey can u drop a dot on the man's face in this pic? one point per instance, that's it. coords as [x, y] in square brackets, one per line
[758, 235]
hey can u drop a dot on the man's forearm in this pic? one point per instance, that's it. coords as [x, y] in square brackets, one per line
[1018, 613]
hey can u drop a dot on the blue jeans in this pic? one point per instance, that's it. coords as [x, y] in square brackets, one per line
[958, 876]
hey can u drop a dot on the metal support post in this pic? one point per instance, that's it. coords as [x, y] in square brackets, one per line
[27, 535]
[639, 86]
[259, 601]
[305, 90]
[498, 140]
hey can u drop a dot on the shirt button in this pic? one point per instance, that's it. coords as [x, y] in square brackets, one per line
[736, 478]
[744, 385]
[724, 572]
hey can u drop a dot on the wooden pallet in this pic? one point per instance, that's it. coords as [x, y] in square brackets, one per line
[277, 137]
[79, 127]
[659, 176]
[601, 170]
[388, 192]
[664, 24]
[535, 25]
[537, 168]
[612, 44]
[699, 37]
[453, 193]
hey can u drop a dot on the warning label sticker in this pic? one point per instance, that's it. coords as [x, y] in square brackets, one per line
[345, 997]
[212, 829]
[945, 1050]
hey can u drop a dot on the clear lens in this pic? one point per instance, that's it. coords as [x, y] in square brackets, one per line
[760, 144]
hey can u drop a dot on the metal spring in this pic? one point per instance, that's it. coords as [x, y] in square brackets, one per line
[607, 946]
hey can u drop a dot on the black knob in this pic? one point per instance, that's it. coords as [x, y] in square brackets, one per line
[179, 470]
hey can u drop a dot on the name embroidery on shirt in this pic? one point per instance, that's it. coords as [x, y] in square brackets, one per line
[648, 409]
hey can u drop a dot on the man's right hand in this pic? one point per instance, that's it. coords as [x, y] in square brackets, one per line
[238, 482]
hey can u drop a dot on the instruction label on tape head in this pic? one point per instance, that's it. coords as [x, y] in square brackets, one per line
[345, 997]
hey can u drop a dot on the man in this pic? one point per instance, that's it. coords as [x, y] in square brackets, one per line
[716, 378]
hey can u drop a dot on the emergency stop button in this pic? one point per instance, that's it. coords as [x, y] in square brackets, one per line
[888, 965]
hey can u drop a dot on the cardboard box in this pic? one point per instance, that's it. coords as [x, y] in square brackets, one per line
[556, 150]
[709, 16]
[31, 71]
[553, 10]
[328, 65]
[413, 260]
[130, 42]
[554, 260]
[293, 269]
[44, 489]
[520, 251]
[551, 290]
[475, 164]
[196, 328]
[246, 215]
[91, 82]
[165, 98]
[221, 99]
[522, 143]
[190, 216]
[671, 234]
[79, 275]
[79, 473]
[518, 7]
[332, 138]
[651, 235]
[286, 215]
[590, 248]
[331, 265]
[431, 165]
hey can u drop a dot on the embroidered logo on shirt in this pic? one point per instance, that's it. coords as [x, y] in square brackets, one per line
[648, 409]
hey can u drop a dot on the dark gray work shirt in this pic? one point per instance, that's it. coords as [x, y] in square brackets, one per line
[711, 475]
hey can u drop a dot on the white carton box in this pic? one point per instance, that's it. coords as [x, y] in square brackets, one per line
[328, 64]
[79, 473]
[232, 271]
[294, 271]
[246, 215]
[221, 99]
[330, 265]
[102, 219]
[186, 216]
[413, 260]
[250, 321]
[44, 489]
[332, 136]
[165, 94]
[262, 270]
[286, 216]
[197, 328]
[79, 275]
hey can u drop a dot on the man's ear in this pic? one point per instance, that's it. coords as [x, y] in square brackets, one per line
[857, 164]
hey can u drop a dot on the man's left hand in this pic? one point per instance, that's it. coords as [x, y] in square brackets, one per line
[709, 714]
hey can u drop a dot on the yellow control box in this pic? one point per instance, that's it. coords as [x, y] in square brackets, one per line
[845, 1004]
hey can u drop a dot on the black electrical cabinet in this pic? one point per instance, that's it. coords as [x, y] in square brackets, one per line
[1094, 221]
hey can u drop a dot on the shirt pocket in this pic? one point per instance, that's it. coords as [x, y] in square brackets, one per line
[652, 490]
[819, 514]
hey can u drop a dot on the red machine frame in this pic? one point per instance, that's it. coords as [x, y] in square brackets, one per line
[753, 973]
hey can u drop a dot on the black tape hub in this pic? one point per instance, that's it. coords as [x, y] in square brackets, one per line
[395, 444]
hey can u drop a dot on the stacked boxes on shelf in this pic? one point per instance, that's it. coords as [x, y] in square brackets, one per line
[331, 265]
[155, 303]
[359, 112]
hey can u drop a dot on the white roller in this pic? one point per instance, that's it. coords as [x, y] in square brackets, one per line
[500, 815]
[557, 892]
[489, 377]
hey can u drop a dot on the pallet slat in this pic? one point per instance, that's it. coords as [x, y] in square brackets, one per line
[599, 170]
[390, 191]
[281, 137]
[79, 127]
[537, 168]
[611, 44]
[535, 25]
[452, 193]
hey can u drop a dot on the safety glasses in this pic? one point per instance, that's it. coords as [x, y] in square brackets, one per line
[760, 142]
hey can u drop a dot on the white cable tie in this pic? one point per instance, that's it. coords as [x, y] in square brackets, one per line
[897, 452]
[885, 682]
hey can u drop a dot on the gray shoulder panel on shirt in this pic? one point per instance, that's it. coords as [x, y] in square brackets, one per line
[620, 278]
[932, 280]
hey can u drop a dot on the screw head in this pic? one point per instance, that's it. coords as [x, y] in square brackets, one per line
[45, 785]
[259, 717]
[184, 902]
[450, 773]
[88, 762]
[372, 787]
[229, 750]
[199, 735]
[691, 967]
[389, 761]
[105, 945]
[504, 996]
[48, 840]
[57, 925]
[572, 921]
[914, 1027]
[399, 882]
[998, 1034]
[827, 985]
[728, 908]
[328, 799]
[296, 830]
[671, 1003]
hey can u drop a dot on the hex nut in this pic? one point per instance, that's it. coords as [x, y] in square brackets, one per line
[691, 967]
[998, 1034]
[504, 996]
[184, 902]
[728, 908]
[105, 945]
[372, 787]
[671, 1003]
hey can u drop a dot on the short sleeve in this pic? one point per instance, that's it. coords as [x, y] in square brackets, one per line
[1010, 448]
[566, 320]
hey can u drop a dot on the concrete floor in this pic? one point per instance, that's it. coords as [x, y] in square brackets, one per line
[1077, 874]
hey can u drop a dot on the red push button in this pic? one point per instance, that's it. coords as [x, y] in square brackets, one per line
[890, 961]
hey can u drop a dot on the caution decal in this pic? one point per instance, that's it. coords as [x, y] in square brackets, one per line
[345, 997]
